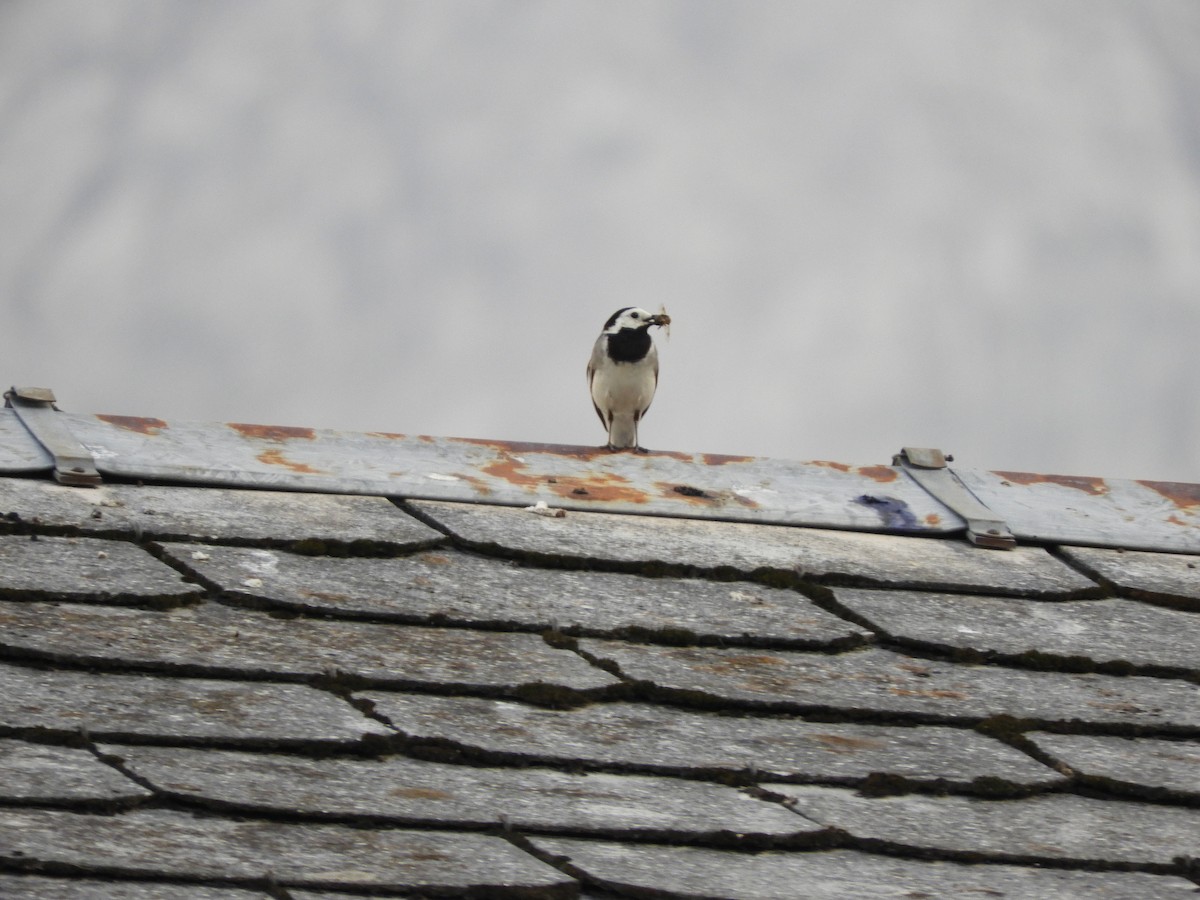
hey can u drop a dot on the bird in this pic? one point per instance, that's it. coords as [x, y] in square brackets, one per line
[623, 374]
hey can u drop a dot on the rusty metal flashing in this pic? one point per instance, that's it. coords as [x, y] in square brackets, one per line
[1136, 515]
[35, 409]
[929, 468]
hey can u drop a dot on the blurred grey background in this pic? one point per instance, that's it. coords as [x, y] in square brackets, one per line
[958, 223]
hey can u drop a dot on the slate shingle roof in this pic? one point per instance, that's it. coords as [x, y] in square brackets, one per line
[230, 694]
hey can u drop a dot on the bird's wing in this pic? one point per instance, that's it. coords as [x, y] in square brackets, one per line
[593, 365]
[653, 357]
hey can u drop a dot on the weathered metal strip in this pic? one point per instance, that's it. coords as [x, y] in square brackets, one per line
[928, 468]
[1143, 515]
[1112, 512]
[20, 454]
[748, 489]
[34, 408]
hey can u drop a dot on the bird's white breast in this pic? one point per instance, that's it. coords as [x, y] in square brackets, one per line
[625, 387]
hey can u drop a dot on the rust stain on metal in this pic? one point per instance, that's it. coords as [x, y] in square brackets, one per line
[509, 448]
[601, 489]
[389, 435]
[830, 464]
[139, 424]
[1086, 483]
[479, 484]
[571, 451]
[882, 474]
[720, 459]
[1185, 496]
[686, 492]
[273, 432]
[512, 471]
[276, 458]
[576, 489]
[933, 519]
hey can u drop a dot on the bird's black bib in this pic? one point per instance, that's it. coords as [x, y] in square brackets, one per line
[629, 345]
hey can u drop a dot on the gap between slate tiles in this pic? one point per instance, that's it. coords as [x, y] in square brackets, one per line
[167, 844]
[771, 554]
[1048, 829]
[878, 685]
[1150, 769]
[215, 640]
[1114, 636]
[61, 706]
[316, 521]
[653, 871]
[395, 791]
[424, 589]
[625, 737]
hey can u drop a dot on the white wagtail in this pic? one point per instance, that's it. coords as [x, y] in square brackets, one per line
[623, 373]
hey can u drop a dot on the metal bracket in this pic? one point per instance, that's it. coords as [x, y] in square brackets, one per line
[928, 468]
[73, 464]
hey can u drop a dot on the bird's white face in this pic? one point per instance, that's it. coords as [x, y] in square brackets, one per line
[633, 317]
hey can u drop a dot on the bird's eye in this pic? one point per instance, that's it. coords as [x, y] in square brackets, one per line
[635, 315]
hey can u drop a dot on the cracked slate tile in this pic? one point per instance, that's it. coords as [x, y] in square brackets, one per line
[691, 872]
[659, 738]
[164, 844]
[211, 638]
[1169, 576]
[41, 773]
[213, 514]
[1103, 631]
[38, 887]
[1046, 826]
[417, 792]
[706, 545]
[1152, 767]
[87, 569]
[121, 707]
[877, 680]
[447, 586]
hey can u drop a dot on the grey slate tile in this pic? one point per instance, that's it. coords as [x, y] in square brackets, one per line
[877, 680]
[36, 887]
[659, 738]
[1103, 631]
[887, 559]
[216, 514]
[40, 773]
[689, 872]
[427, 793]
[212, 638]
[1046, 826]
[1148, 765]
[1170, 576]
[161, 843]
[452, 587]
[118, 707]
[87, 569]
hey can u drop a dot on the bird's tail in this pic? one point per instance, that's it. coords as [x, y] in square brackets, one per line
[622, 432]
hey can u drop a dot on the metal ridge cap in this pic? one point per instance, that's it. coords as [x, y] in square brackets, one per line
[584, 478]
[1149, 515]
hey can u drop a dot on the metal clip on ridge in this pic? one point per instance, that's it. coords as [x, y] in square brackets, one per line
[928, 468]
[73, 464]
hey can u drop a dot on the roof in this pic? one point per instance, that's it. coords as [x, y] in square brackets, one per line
[210, 689]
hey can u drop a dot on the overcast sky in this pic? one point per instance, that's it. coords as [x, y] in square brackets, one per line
[972, 225]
